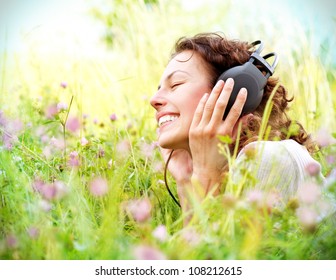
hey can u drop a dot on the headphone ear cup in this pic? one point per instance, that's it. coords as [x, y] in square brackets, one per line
[245, 76]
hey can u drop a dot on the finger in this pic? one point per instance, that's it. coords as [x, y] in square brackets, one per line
[211, 102]
[199, 110]
[237, 107]
[221, 102]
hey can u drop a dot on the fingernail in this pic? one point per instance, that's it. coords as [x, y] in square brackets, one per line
[205, 96]
[219, 82]
[229, 81]
[243, 91]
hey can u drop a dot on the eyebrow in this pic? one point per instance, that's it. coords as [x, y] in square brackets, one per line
[172, 74]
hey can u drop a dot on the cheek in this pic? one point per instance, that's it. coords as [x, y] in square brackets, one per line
[189, 110]
[193, 103]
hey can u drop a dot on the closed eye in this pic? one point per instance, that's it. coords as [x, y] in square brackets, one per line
[173, 86]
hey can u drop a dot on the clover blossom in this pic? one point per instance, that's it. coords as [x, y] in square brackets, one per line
[160, 233]
[98, 187]
[145, 252]
[140, 209]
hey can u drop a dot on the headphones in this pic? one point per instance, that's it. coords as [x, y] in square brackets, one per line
[250, 77]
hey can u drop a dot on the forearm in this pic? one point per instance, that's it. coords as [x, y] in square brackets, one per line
[205, 183]
[195, 190]
[208, 173]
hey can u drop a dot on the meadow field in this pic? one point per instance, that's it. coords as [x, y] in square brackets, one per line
[81, 176]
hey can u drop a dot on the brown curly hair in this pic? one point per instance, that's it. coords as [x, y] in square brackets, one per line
[220, 54]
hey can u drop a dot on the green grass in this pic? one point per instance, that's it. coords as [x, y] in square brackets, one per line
[80, 225]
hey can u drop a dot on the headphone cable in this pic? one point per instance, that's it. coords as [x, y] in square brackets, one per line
[165, 179]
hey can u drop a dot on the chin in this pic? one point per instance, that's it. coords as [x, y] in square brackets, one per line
[165, 144]
[171, 143]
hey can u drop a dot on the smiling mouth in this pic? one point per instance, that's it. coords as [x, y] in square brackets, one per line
[167, 118]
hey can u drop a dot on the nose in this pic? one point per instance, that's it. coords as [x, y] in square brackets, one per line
[158, 100]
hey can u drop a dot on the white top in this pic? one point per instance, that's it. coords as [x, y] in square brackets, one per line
[281, 165]
[274, 164]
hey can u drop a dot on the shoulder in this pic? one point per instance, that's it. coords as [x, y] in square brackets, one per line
[277, 164]
[284, 151]
[266, 149]
[267, 153]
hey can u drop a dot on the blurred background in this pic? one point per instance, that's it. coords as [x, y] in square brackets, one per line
[111, 53]
[78, 136]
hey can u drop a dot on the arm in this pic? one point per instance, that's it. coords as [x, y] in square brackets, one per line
[200, 171]
[207, 124]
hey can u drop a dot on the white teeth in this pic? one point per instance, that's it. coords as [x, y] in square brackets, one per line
[166, 118]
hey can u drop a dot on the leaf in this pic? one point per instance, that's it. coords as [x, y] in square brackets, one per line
[50, 121]
[226, 139]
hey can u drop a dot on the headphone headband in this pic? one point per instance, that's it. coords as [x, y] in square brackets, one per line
[261, 47]
[256, 58]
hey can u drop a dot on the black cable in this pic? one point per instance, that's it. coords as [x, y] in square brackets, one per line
[165, 179]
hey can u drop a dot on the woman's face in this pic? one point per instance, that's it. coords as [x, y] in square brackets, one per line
[183, 83]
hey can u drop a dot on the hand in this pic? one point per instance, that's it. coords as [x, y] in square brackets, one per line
[207, 124]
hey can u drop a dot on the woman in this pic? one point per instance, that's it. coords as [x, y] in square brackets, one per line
[190, 104]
